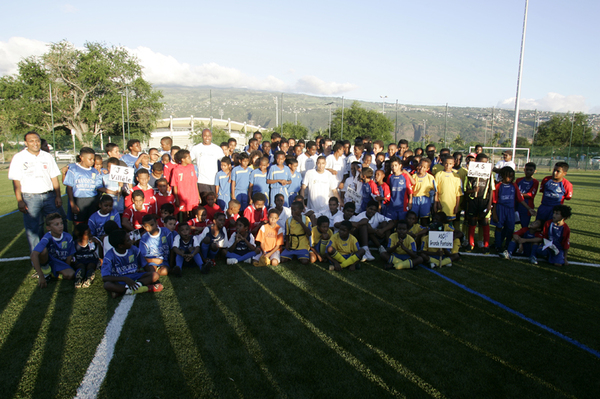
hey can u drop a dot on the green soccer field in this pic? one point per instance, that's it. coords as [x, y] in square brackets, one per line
[302, 331]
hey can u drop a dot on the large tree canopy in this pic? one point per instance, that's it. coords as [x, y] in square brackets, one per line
[557, 131]
[87, 85]
[291, 130]
[361, 122]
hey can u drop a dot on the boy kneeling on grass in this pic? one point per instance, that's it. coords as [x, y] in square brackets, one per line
[120, 268]
[53, 254]
[525, 239]
[155, 247]
[343, 250]
[557, 231]
[401, 252]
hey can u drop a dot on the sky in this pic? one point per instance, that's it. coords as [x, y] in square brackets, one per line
[429, 52]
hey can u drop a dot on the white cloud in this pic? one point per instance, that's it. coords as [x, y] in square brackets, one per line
[312, 84]
[15, 49]
[68, 8]
[553, 102]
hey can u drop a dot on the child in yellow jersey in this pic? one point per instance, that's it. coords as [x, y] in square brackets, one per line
[424, 191]
[321, 234]
[297, 233]
[401, 252]
[438, 257]
[449, 190]
[343, 250]
[415, 230]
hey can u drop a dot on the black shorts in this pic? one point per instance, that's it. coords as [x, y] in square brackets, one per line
[477, 208]
[87, 207]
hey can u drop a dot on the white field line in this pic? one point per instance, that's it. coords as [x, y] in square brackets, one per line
[526, 258]
[14, 259]
[96, 372]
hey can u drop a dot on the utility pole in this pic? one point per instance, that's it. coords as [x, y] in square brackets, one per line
[492, 131]
[52, 120]
[127, 97]
[571, 139]
[342, 133]
[396, 130]
[329, 117]
[518, 96]
[123, 121]
[210, 102]
[295, 115]
[383, 104]
[282, 114]
[276, 112]
[445, 125]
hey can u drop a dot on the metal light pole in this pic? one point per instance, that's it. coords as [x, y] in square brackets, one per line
[492, 128]
[127, 101]
[396, 131]
[445, 125]
[342, 133]
[210, 102]
[571, 139]
[329, 117]
[51, 119]
[383, 104]
[276, 112]
[282, 114]
[123, 121]
[518, 98]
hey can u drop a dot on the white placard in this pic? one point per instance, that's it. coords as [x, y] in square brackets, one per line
[441, 239]
[121, 174]
[480, 169]
[352, 196]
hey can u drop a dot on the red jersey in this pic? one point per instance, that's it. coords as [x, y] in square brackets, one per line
[556, 233]
[135, 216]
[211, 211]
[149, 198]
[255, 216]
[165, 199]
[186, 181]
[198, 226]
[384, 191]
[161, 223]
[230, 223]
[168, 170]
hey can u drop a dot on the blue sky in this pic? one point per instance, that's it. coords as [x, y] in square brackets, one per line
[465, 53]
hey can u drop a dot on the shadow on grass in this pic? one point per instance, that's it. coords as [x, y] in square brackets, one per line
[12, 279]
[18, 344]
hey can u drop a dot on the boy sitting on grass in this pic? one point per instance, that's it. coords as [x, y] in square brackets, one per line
[525, 238]
[270, 238]
[213, 240]
[242, 247]
[438, 257]
[185, 250]
[343, 250]
[298, 231]
[557, 231]
[321, 234]
[52, 255]
[120, 268]
[86, 257]
[232, 215]
[401, 252]
[155, 247]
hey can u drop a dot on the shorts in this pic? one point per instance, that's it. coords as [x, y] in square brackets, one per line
[321, 247]
[276, 256]
[545, 213]
[477, 208]
[57, 265]
[87, 207]
[133, 276]
[166, 264]
[396, 256]
[395, 213]
[299, 253]
[421, 206]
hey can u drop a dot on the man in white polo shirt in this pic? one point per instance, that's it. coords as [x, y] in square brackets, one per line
[206, 156]
[35, 180]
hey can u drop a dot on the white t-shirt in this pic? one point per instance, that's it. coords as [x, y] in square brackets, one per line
[206, 158]
[320, 187]
[339, 165]
[502, 163]
[333, 219]
[306, 163]
[34, 172]
[374, 221]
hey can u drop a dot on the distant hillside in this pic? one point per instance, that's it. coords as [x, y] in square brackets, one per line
[258, 108]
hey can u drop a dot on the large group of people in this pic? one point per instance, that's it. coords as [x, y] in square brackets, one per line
[275, 201]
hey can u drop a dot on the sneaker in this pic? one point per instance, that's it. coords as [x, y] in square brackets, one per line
[158, 287]
[382, 249]
[79, 279]
[369, 256]
[249, 261]
[480, 244]
[140, 289]
[364, 258]
[232, 261]
[449, 265]
[432, 265]
[533, 260]
[486, 250]
[506, 255]
[89, 280]
[331, 268]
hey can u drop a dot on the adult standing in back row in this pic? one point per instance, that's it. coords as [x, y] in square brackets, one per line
[206, 156]
[35, 179]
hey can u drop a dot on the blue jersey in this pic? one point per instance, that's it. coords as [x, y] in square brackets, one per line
[97, 221]
[258, 179]
[118, 265]
[186, 247]
[129, 160]
[241, 177]
[279, 174]
[222, 181]
[58, 248]
[157, 246]
[294, 187]
[555, 192]
[84, 181]
[399, 191]
[506, 194]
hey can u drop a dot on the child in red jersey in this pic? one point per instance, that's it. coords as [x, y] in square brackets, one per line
[384, 190]
[199, 222]
[528, 186]
[211, 207]
[168, 166]
[143, 178]
[184, 182]
[232, 215]
[256, 213]
[132, 217]
[163, 195]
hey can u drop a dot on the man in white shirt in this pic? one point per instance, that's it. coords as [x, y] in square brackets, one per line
[35, 180]
[336, 163]
[308, 160]
[321, 186]
[506, 161]
[206, 156]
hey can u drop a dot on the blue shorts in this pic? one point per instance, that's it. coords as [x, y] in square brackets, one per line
[166, 264]
[548, 253]
[243, 198]
[395, 213]
[545, 213]
[396, 256]
[57, 265]
[133, 276]
[421, 206]
[299, 253]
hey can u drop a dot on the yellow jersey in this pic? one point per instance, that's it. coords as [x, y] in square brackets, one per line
[408, 242]
[449, 187]
[296, 235]
[346, 247]
[423, 185]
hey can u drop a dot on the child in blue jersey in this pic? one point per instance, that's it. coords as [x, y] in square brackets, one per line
[113, 188]
[104, 214]
[242, 247]
[213, 240]
[529, 188]
[401, 251]
[369, 188]
[505, 197]
[557, 235]
[155, 247]
[52, 255]
[81, 181]
[555, 190]
[120, 268]
[240, 180]
[258, 179]
[524, 240]
[298, 231]
[279, 177]
[86, 257]
[186, 251]
[223, 183]
[296, 181]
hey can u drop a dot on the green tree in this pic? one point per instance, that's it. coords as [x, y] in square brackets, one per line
[359, 121]
[291, 130]
[87, 89]
[557, 131]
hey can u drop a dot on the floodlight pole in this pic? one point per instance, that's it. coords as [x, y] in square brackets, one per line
[123, 121]
[571, 139]
[518, 98]
[396, 131]
[52, 121]
[329, 117]
[127, 104]
[342, 132]
[445, 125]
